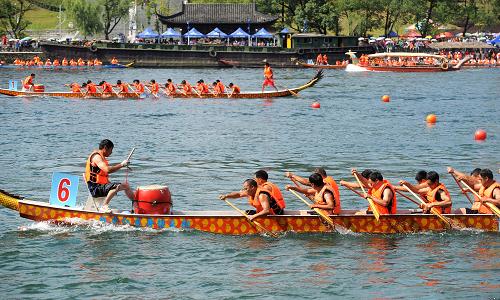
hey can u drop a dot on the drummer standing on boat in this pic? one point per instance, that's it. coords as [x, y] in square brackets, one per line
[97, 170]
[268, 77]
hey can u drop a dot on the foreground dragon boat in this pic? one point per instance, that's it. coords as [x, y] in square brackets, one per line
[133, 95]
[232, 223]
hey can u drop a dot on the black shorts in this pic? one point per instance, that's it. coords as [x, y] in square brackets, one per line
[101, 190]
[471, 211]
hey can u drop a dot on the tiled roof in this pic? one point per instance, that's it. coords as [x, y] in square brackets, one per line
[218, 14]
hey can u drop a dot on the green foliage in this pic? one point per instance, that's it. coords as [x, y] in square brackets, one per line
[12, 18]
[85, 14]
[112, 12]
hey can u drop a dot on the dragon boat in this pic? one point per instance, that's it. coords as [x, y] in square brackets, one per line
[232, 223]
[315, 66]
[132, 95]
[52, 68]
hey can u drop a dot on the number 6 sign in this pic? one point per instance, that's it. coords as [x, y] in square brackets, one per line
[64, 189]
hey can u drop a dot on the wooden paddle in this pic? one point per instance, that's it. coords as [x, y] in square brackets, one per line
[130, 87]
[370, 200]
[462, 189]
[405, 196]
[254, 223]
[319, 211]
[493, 208]
[154, 95]
[433, 209]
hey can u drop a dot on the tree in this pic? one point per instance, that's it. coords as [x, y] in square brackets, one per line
[112, 12]
[85, 15]
[394, 11]
[12, 16]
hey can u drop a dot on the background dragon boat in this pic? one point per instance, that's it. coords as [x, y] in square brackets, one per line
[232, 223]
[133, 95]
[110, 66]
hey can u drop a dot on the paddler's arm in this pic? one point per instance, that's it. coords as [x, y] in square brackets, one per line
[297, 178]
[495, 198]
[410, 186]
[360, 177]
[303, 190]
[233, 195]
[352, 185]
[462, 176]
[108, 169]
[266, 208]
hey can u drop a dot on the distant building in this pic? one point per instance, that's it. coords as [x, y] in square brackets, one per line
[228, 17]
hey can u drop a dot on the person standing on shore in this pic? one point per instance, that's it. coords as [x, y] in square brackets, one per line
[268, 77]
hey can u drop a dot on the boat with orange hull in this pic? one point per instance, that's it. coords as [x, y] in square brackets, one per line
[55, 68]
[232, 223]
[402, 62]
[133, 95]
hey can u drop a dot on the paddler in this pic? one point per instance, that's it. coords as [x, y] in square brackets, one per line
[421, 182]
[260, 197]
[319, 59]
[261, 177]
[155, 87]
[322, 193]
[354, 185]
[96, 175]
[234, 89]
[325, 59]
[56, 63]
[138, 86]
[488, 189]
[91, 87]
[268, 77]
[75, 87]
[114, 61]
[216, 89]
[380, 191]
[48, 63]
[222, 87]
[170, 87]
[122, 87]
[326, 179]
[28, 83]
[186, 88]
[437, 194]
[64, 62]
[472, 179]
[106, 88]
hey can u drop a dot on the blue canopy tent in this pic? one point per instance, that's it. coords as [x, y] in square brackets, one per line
[495, 41]
[263, 34]
[285, 31]
[148, 33]
[217, 33]
[239, 34]
[170, 34]
[193, 33]
[392, 34]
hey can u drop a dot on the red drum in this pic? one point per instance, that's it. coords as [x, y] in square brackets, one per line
[39, 88]
[153, 200]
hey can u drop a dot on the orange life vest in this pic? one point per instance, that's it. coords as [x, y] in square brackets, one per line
[268, 72]
[329, 180]
[236, 89]
[28, 81]
[431, 197]
[379, 193]
[319, 198]
[93, 173]
[273, 191]
[64, 62]
[171, 88]
[221, 86]
[75, 88]
[187, 89]
[106, 88]
[91, 88]
[206, 90]
[123, 88]
[488, 193]
[139, 87]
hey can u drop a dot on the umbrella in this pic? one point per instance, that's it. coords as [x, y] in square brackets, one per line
[193, 33]
[263, 34]
[217, 33]
[239, 33]
[392, 34]
[170, 33]
[148, 34]
[285, 30]
[28, 38]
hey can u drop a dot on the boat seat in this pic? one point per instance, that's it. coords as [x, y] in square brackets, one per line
[93, 203]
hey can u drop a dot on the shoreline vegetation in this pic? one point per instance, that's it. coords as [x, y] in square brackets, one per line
[337, 17]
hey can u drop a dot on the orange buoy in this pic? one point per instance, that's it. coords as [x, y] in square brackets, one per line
[386, 98]
[315, 105]
[431, 118]
[480, 135]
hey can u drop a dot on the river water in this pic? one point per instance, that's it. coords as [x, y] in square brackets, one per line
[202, 148]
